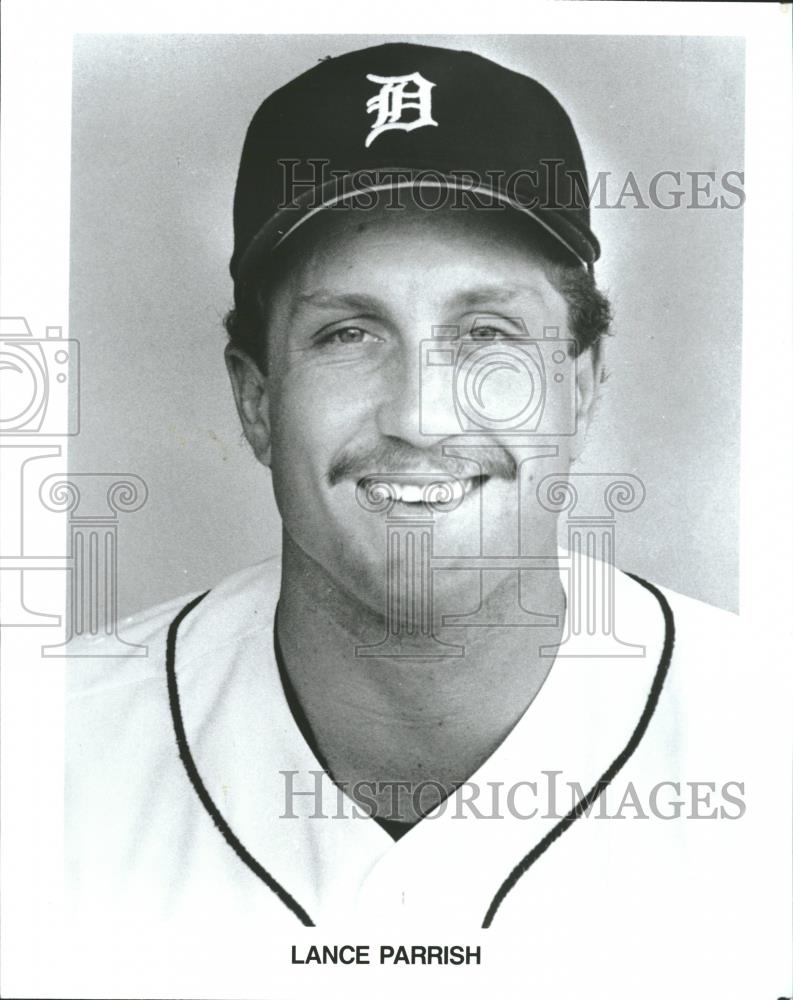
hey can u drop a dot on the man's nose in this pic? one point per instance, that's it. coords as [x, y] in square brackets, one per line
[417, 404]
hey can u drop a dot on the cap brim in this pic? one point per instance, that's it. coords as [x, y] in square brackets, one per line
[581, 244]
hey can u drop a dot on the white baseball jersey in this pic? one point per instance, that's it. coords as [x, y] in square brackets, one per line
[608, 844]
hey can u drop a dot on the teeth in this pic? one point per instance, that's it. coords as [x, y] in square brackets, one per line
[442, 492]
[408, 493]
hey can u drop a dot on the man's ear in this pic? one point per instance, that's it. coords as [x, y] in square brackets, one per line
[589, 369]
[250, 388]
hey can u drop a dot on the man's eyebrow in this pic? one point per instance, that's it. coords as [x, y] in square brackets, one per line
[482, 295]
[323, 298]
[471, 298]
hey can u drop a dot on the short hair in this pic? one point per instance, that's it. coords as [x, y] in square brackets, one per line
[589, 309]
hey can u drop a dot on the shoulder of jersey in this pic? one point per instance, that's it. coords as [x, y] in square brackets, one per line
[707, 661]
[696, 617]
[243, 602]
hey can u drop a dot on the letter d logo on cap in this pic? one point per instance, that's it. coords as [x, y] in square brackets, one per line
[395, 98]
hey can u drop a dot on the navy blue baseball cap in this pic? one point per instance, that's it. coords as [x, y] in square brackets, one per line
[414, 117]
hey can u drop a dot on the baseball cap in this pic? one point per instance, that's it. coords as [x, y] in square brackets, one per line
[416, 117]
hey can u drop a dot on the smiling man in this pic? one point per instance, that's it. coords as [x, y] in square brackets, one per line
[402, 276]
[336, 395]
[424, 713]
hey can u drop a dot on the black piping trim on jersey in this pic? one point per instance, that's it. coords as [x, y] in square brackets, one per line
[611, 772]
[195, 778]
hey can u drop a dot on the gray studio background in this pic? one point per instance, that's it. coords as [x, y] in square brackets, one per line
[158, 126]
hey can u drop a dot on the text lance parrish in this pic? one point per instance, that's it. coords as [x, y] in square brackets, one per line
[387, 954]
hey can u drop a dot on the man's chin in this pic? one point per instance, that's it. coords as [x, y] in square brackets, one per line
[403, 593]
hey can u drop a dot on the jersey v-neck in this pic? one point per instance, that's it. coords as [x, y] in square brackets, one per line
[395, 828]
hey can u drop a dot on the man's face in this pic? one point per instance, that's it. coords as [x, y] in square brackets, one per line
[350, 392]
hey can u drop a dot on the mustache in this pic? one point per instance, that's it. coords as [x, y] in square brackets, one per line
[393, 456]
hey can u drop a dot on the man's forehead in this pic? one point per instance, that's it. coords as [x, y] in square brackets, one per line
[362, 263]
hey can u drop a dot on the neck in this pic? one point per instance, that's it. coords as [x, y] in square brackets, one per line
[378, 716]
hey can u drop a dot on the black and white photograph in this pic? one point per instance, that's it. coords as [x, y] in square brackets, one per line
[397, 481]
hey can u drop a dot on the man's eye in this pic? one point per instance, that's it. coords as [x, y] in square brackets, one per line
[349, 335]
[487, 333]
